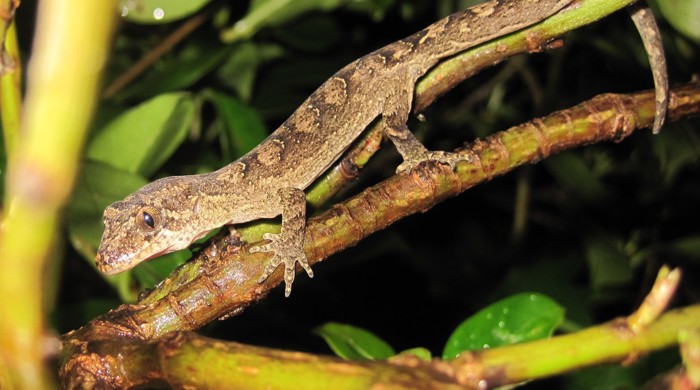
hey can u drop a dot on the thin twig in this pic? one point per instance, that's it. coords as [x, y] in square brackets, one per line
[149, 59]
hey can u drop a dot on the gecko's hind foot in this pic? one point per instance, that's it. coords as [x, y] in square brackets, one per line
[448, 158]
[283, 252]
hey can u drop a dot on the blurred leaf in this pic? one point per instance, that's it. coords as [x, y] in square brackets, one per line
[623, 377]
[158, 11]
[573, 174]
[264, 13]
[141, 139]
[98, 186]
[241, 66]
[683, 15]
[518, 318]
[352, 343]
[609, 265]
[314, 33]
[675, 150]
[244, 127]
[286, 86]
[180, 71]
[601, 162]
[375, 8]
[75, 315]
[151, 272]
[687, 247]
[610, 377]
[83, 236]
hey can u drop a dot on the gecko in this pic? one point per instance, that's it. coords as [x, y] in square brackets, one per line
[171, 213]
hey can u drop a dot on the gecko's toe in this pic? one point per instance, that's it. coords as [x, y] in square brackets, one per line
[289, 274]
[305, 265]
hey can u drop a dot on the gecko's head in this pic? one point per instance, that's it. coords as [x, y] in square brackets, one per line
[146, 224]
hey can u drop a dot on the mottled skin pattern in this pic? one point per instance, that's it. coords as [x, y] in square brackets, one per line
[170, 213]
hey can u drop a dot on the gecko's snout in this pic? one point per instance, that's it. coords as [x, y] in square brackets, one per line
[103, 264]
[109, 264]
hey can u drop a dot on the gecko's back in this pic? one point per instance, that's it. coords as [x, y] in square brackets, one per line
[324, 126]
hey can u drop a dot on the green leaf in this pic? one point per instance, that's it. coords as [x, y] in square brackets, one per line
[675, 151]
[687, 247]
[141, 139]
[609, 377]
[158, 11]
[609, 266]
[241, 66]
[244, 126]
[573, 173]
[518, 318]
[354, 343]
[77, 314]
[82, 238]
[152, 272]
[263, 13]
[555, 275]
[179, 71]
[99, 185]
[314, 33]
[376, 8]
[683, 16]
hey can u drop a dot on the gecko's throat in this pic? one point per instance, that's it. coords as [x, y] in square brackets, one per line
[114, 263]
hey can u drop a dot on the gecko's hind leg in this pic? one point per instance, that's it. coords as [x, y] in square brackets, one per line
[412, 150]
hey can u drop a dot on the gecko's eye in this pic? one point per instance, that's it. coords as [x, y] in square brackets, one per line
[149, 218]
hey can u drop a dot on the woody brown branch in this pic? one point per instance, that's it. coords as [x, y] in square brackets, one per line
[187, 360]
[224, 283]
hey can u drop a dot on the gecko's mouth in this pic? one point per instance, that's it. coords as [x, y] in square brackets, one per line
[112, 264]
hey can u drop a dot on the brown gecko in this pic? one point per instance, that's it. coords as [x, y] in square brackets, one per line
[171, 213]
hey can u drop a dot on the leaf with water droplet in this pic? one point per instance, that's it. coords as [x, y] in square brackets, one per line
[518, 318]
[158, 11]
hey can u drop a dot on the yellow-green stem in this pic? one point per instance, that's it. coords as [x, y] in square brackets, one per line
[11, 93]
[71, 44]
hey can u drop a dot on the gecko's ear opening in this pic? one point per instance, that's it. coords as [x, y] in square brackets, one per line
[195, 208]
[148, 218]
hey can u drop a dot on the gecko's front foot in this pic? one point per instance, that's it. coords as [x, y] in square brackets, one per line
[285, 251]
[448, 158]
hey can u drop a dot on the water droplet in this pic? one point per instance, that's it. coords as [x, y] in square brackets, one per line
[127, 7]
[158, 13]
[501, 324]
